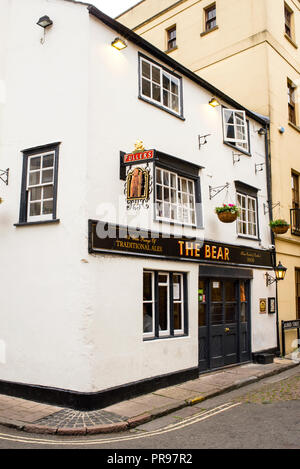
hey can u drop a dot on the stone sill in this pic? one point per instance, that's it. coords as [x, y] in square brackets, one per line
[296, 127]
[209, 31]
[291, 40]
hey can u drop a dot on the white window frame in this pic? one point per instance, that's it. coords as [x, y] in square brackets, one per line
[155, 299]
[152, 302]
[181, 302]
[247, 221]
[41, 217]
[180, 207]
[169, 75]
[165, 332]
[238, 142]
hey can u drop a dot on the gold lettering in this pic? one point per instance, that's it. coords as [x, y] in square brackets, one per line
[226, 254]
[207, 251]
[189, 247]
[220, 253]
[213, 252]
[197, 250]
[181, 243]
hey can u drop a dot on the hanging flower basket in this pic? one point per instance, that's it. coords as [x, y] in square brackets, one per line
[227, 213]
[279, 226]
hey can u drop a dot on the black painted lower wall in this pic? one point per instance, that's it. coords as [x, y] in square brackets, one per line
[96, 400]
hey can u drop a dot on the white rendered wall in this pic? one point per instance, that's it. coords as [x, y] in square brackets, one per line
[44, 310]
[69, 319]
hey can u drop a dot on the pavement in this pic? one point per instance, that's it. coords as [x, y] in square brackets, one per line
[35, 417]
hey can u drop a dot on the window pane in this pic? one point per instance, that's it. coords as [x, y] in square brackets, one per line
[166, 178]
[216, 314]
[163, 307]
[35, 209]
[175, 103]
[159, 192]
[34, 178]
[47, 207]
[201, 315]
[174, 85]
[147, 317]
[230, 313]
[48, 192]
[155, 74]
[36, 193]
[48, 161]
[147, 293]
[145, 69]
[156, 92]
[162, 278]
[216, 291]
[243, 312]
[166, 98]
[35, 163]
[166, 194]
[166, 81]
[177, 287]
[158, 176]
[146, 88]
[230, 290]
[177, 316]
[47, 175]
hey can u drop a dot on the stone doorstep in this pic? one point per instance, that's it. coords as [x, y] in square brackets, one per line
[144, 417]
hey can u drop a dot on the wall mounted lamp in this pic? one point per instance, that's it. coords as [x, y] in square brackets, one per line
[119, 43]
[214, 102]
[280, 272]
[44, 22]
[261, 131]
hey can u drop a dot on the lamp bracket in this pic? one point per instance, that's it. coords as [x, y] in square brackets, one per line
[236, 157]
[213, 191]
[202, 140]
[266, 207]
[4, 175]
[270, 279]
[259, 167]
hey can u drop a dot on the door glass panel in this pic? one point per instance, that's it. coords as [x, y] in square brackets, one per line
[216, 311]
[201, 314]
[242, 291]
[230, 290]
[230, 313]
[243, 312]
[216, 291]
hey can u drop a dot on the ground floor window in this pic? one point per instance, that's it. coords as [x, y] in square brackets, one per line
[164, 304]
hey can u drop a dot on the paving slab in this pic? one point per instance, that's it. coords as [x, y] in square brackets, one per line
[184, 399]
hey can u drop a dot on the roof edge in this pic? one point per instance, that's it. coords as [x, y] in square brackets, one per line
[176, 66]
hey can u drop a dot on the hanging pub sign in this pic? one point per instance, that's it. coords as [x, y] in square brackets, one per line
[110, 238]
[137, 187]
[138, 157]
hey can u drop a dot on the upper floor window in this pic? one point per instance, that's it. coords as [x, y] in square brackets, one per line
[159, 86]
[291, 102]
[247, 221]
[236, 128]
[288, 15]
[171, 38]
[295, 190]
[210, 17]
[39, 184]
[175, 198]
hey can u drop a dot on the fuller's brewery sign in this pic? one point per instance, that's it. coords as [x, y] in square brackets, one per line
[110, 238]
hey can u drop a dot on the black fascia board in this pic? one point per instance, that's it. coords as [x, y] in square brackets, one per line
[176, 66]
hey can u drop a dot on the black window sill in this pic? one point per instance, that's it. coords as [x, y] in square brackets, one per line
[296, 127]
[209, 31]
[291, 40]
[159, 106]
[42, 222]
[237, 149]
[171, 50]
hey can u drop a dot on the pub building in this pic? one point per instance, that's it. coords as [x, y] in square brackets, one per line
[119, 276]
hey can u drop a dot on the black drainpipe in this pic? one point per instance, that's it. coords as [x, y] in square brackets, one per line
[270, 206]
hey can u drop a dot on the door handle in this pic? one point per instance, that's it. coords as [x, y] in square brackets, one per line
[227, 329]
